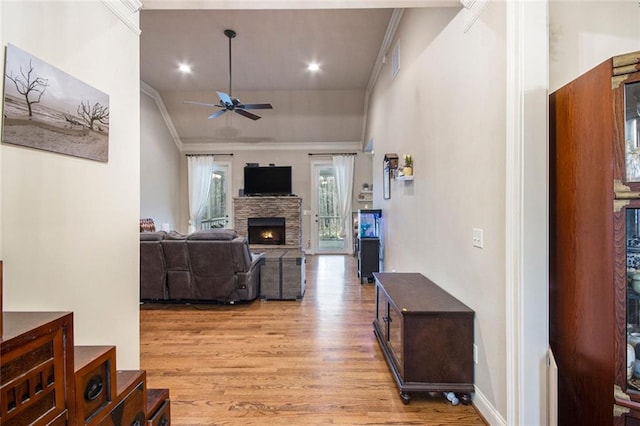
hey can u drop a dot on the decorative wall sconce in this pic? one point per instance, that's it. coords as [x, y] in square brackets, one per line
[389, 169]
[391, 161]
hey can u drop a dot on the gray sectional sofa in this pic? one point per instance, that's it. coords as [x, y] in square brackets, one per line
[206, 266]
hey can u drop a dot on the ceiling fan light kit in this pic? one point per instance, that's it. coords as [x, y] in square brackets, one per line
[227, 101]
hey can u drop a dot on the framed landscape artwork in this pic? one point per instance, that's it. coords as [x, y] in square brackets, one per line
[48, 109]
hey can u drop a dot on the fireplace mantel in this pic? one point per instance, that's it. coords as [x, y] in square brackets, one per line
[288, 207]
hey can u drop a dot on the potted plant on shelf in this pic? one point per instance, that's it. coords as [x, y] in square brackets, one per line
[407, 170]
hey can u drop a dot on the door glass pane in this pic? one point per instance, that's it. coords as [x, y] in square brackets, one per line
[633, 297]
[328, 212]
[632, 131]
[216, 215]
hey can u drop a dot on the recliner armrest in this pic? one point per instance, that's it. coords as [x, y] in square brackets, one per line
[257, 259]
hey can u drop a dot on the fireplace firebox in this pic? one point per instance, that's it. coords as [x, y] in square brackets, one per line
[266, 230]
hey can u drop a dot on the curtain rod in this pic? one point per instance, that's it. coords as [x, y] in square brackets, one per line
[205, 155]
[333, 153]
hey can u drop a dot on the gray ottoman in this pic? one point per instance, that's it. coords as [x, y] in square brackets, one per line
[283, 275]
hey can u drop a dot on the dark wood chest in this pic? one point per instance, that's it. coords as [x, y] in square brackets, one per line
[426, 335]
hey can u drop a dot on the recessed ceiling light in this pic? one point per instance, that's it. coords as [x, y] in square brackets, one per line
[313, 67]
[185, 68]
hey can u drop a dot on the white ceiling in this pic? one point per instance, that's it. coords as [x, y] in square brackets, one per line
[270, 52]
[269, 57]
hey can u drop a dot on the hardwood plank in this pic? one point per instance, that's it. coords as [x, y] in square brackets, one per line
[313, 362]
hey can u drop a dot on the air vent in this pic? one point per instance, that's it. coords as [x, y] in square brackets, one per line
[473, 9]
[395, 59]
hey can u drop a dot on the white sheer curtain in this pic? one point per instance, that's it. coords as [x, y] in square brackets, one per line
[199, 169]
[343, 166]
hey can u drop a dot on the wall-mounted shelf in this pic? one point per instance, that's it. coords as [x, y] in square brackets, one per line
[365, 196]
[404, 178]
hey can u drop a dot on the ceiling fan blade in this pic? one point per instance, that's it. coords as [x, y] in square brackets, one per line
[247, 114]
[256, 106]
[203, 104]
[224, 98]
[217, 114]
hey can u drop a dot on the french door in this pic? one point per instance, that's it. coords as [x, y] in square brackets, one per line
[325, 219]
[219, 211]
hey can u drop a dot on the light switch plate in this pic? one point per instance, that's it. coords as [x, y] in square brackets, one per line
[478, 239]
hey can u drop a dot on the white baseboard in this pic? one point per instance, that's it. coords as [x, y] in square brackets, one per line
[487, 410]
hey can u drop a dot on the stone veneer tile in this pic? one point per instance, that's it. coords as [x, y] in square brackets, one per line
[288, 207]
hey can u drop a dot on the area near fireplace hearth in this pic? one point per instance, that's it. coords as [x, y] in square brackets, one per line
[262, 212]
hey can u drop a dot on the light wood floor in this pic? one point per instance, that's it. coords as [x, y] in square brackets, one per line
[313, 362]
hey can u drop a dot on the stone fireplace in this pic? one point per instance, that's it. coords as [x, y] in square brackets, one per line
[289, 208]
[266, 230]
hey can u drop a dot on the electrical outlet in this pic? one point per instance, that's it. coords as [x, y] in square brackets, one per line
[475, 354]
[478, 238]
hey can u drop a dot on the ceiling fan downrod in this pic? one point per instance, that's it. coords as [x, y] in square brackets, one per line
[230, 34]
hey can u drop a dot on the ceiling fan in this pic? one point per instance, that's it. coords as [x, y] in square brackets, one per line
[229, 103]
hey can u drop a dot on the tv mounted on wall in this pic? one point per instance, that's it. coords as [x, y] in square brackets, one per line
[273, 180]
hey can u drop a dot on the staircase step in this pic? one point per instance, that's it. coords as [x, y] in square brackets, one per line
[158, 407]
[128, 406]
[95, 374]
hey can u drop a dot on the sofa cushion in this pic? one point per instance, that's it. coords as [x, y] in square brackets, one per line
[214, 234]
[175, 254]
[241, 254]
[152, 271]
[152, 236]
[175, 235]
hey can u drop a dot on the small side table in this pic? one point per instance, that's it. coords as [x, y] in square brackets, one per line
[283, 275]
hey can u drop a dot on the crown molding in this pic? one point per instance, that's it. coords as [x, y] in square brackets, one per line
[153, 93]
[123, 9]
[133, 5]
[295, 4]
[200, 147]
[473, 9]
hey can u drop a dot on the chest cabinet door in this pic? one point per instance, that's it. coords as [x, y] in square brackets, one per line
[382, 313]
[390, 325]
[395, 338]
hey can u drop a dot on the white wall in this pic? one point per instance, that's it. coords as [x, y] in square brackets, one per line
[160, 167]
[446, 107]
[583, 36]
[70, 226]
[1, 120]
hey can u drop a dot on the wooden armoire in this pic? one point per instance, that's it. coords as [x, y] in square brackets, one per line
[594, 219]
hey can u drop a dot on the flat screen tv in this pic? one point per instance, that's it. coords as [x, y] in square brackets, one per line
[273, 180]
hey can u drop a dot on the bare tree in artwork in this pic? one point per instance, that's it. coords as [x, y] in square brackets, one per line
[29, 86]
[92, 114]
